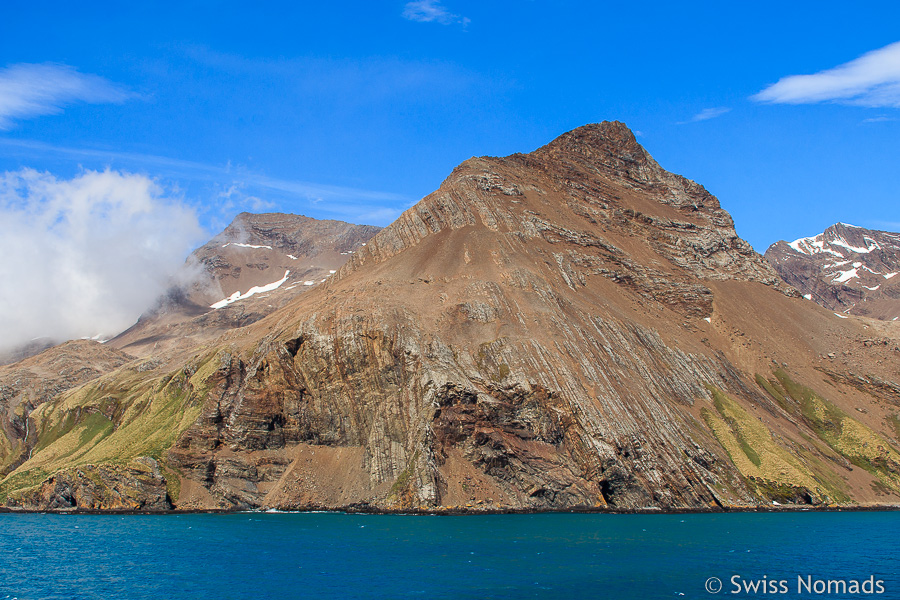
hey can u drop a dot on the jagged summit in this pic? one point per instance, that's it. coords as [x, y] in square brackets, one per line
[846, 268]
[610, 143]
[611, 137]
[604, 186]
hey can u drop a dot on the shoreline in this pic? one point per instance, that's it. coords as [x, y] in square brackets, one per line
[350, 510]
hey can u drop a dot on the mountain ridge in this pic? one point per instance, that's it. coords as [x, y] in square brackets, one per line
[574, 327]
[847, 269]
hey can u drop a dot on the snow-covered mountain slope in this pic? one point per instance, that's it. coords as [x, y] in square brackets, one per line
[847, 269]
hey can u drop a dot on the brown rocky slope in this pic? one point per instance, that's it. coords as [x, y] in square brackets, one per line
[574, 327]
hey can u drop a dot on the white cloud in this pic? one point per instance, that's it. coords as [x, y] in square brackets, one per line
[431, 11]
[30, 90]
[238, 188]
[85, 256]
[707, 114]
[871, 80]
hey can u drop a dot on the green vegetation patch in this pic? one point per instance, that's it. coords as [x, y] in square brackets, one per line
[114, 419]
[774, 389]
[21, 480]
[402, 491]
[770, 469]
[486, 361]
[173, 481]
[854, 440]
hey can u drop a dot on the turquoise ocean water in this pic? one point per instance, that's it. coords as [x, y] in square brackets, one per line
[249, 556]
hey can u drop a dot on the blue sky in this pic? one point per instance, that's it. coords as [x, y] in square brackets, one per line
[355, 110]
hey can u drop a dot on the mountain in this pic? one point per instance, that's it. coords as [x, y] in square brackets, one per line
[29, 383]
[573, 327]
[257, 264]
[847, 269]
[23, 351]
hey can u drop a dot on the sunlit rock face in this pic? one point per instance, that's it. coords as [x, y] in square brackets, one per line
[573, 327]
[848, 269]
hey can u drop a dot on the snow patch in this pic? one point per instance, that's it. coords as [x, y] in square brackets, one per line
[309, 282]
[292, 257]
[808, 296]
[332, 271]
[871, 271]
[843, 243]
[259, 289]
[871, 288]
[707, 319]
[245, 245]
[889, 275]
[841, 316]
[807, 245]
[813, 245]
[837, 264]
[846, 275]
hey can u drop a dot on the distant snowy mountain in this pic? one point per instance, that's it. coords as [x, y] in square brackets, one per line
[256, 265]
[848, 269]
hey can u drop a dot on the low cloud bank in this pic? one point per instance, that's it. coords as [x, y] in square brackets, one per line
[85, 256]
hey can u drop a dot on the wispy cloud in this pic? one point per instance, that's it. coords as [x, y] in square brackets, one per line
[340, 81]
[86, 255]
[31, 90]
[239, 187]
[432, 11]
[707, 114]
[871, 80]
[879, 119]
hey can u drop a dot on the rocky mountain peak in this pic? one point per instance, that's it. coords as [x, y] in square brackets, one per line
[609, 142]
[255, 265]
[593, 186]
[574, 327]
[845, 268]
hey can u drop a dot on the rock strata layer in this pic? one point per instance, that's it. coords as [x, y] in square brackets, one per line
[574, 327]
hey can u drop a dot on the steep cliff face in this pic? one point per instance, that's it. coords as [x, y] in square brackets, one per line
[847, 269]
[570, 327]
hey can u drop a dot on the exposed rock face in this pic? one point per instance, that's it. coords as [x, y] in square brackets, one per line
[256, 265]
[137, 486]
[256, 250]
[570, 327]
[846, 269]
